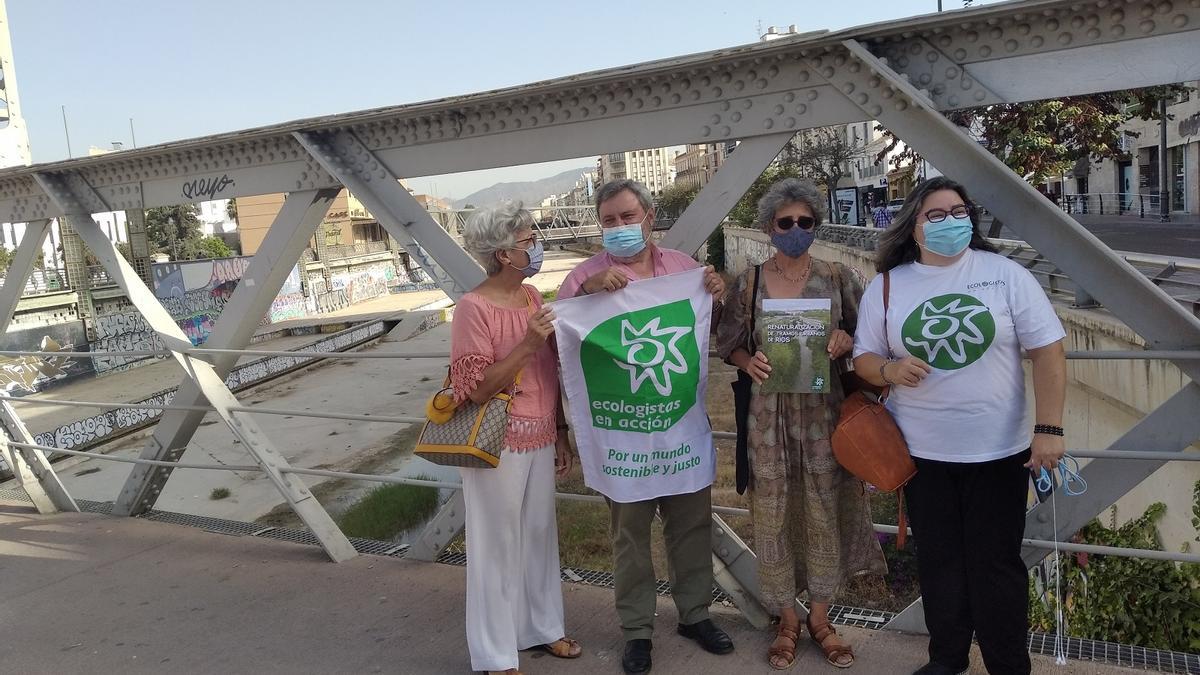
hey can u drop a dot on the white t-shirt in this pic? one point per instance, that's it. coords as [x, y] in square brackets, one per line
[969, 322]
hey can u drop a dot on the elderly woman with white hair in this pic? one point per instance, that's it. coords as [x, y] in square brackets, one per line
[501, 340]
[811, 518]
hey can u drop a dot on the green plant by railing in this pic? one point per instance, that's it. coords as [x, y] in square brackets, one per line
[716, 249]
[1150, 603]
[389, 509]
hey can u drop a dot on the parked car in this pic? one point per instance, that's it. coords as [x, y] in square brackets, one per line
[893, 206]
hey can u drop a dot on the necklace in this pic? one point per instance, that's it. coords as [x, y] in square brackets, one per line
[795, 280]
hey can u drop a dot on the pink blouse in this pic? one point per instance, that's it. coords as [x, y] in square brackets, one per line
[482, 333]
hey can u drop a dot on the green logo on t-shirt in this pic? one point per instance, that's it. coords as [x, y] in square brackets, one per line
[950, 331]
[641, 368]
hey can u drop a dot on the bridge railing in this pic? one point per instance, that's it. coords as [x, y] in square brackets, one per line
[1180, 278]
[42, 281]
[1111, 204]
[203, 353]
[340, 251]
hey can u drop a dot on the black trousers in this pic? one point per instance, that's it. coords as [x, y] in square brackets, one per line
[968, 521]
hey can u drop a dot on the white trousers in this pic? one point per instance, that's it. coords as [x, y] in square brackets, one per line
[514, 587]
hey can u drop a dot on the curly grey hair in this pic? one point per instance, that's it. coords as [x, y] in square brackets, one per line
[490, 230]
[789, 191]
[614, 187]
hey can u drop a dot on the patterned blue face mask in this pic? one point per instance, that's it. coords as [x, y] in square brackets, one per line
[624, 241]
[536, 254]
[794, 242]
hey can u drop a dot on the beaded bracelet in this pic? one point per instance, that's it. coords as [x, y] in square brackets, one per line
[1047, 429]
[882, 375]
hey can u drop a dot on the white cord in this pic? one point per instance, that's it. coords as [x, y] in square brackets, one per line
[1060, 653]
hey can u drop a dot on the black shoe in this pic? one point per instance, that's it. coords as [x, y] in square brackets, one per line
[932, 668]
[710, 637]
[637, 656]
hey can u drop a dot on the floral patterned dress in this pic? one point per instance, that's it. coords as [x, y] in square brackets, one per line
[811, 518]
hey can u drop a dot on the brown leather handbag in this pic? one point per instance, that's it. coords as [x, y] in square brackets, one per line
[868, 444]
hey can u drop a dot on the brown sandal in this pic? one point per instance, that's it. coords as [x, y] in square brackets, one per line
[510, 671]
[788, 654]
[564, 648]
[820, 635]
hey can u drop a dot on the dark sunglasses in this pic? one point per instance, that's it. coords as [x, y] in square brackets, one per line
[805, 222]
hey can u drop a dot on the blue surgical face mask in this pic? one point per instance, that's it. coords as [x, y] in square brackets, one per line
[536, 254]
[624, 241]
[793, 242]
[949, 237]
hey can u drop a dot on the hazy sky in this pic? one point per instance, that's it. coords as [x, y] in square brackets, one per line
[187, 68]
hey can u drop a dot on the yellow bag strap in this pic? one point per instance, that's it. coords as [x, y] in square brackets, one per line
[530, 304]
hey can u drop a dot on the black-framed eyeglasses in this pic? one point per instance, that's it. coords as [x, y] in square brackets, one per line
[530, 240]
[805, 222]
[938, 215]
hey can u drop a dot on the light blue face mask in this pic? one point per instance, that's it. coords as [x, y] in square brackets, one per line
[949, 237]
[1068, 470]
[624, 241]
[536, 254]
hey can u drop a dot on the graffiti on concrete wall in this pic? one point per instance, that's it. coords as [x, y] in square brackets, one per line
[95, 429]
[324, 298]
[91, 430]
[289, 303]
[195, 292]
[412, 279]
[122, 332]
[29, 373]
[361, 284]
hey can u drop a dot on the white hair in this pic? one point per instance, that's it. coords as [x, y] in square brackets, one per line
[493, 229]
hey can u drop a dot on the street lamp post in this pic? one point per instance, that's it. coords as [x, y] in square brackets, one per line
[1164, 196]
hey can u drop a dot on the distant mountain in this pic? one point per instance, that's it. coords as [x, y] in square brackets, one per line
[530, 192]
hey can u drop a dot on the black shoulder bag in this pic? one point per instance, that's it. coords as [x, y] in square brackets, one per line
[741, 399]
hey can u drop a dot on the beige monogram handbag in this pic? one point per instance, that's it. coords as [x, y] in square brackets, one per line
[467, 434]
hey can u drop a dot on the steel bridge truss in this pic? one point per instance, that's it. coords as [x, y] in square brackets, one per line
[903, 74]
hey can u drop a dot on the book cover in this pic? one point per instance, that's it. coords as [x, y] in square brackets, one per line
[796, 334]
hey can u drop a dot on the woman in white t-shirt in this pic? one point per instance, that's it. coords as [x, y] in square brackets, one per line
[958, 317]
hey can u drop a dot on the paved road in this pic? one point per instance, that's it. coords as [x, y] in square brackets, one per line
[1179, 238]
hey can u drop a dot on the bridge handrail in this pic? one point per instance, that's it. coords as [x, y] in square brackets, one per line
[1163, 271]
[1124, 552]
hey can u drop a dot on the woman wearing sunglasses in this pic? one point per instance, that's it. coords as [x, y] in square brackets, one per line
[958, 317]
[811, 518]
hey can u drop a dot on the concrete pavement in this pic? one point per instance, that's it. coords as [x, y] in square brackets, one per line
[86, 593]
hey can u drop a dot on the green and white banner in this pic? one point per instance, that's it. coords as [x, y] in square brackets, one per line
[635, 370]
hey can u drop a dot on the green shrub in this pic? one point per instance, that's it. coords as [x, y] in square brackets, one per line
[388, 510]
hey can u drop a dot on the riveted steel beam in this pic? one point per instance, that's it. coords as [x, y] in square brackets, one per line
[348, 159]
[445, 525]
[897, 104]
[18, 272]
[78, 200]
[30, 467]
[948, 83]
[1046, 51]
[721, 194]
[296, 222]
[754, 90]
[1171, 427]
[735, 571]
[884, 95]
